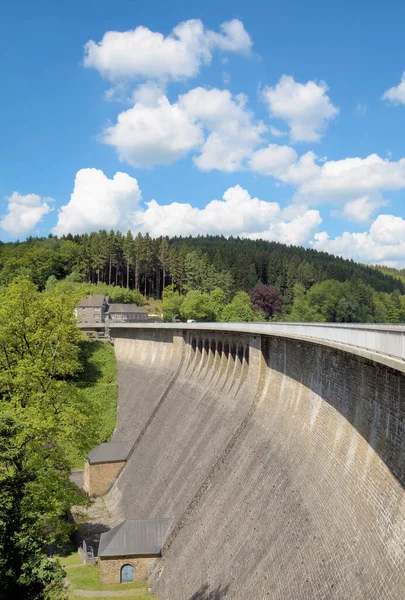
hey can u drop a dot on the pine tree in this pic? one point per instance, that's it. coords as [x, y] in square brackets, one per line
[164, 258]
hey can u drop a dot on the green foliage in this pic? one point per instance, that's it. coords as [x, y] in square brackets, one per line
[42, 421]
[239, 310]
[171, 304]
[197, 306]
[340, 302]
[201, 274]
[301, 310]
[217, 301]
[51, 283]
[98, 362]
[116, 294]
[122, 266]
[97, 385]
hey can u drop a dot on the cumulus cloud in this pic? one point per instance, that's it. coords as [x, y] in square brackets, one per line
[153, 132]
[211, 122]
[306, 108]
[276, 132]
[274, 160]
[99, 203]
[384, 243]
[355, 184]
[142, 53]
[349, 178]
[236, 214]
[396, 94]
[24, 212]
[361, 209]
[232, 132]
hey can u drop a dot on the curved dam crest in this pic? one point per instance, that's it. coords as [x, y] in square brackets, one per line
[281, 462]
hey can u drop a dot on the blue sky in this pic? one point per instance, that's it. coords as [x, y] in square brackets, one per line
[282, 121]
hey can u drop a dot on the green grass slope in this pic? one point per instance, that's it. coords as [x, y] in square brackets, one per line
[98, 385]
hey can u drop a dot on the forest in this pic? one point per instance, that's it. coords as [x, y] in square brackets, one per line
[212, 277]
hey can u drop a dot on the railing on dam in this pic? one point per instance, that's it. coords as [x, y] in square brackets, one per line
[383, 340]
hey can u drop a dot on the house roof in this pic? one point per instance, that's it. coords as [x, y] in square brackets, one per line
[126, 308]
[135, 537]
[97, 300]
[109, 452]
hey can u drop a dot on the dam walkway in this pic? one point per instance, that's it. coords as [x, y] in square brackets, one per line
[382, 343]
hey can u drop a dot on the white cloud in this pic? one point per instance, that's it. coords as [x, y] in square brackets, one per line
[142, 53]
[233, 37]
[396, 94]
[236, 214]
[306, 108]
[24, 212]
[233, 134]
[354, 184]
[384, 243]
[212, 122]
[99, 203]
[153, 132]
[349, 178]
[274, 160]
[361, 209]
[277, 132]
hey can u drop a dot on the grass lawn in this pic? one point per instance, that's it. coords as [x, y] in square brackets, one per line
[88, 578]
[70, 560]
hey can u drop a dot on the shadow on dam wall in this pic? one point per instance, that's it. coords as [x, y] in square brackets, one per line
[281, 462]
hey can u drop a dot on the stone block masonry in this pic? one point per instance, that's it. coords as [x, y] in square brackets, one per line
[99, 477]
[281, 461]
[110, 568]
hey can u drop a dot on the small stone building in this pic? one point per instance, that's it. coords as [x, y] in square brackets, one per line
[128, 551]
[92, 309]
[126, 313]
[103, 465]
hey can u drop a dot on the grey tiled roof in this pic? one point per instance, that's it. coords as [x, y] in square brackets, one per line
[135, 537]
[126, 308]
[109, 452]
[90, 301]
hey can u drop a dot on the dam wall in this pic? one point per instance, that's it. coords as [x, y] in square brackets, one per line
[280, 460]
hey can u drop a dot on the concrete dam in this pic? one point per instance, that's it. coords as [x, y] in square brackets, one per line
[279, 457]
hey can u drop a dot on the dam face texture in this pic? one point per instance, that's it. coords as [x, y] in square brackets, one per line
[280, 460]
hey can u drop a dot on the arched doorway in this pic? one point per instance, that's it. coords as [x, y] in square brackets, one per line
[127, 573]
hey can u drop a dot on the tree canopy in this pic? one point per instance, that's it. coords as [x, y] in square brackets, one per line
[131, 267]
[42, 421]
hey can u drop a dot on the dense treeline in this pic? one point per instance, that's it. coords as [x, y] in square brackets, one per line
[205, 264]
[149, 264]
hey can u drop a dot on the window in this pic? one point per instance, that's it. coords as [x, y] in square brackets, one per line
[127, 573]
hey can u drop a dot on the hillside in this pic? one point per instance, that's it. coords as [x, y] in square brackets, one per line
[311, 285]
[143, 262]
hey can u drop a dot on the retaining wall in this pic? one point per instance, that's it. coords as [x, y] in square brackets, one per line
[281, 462]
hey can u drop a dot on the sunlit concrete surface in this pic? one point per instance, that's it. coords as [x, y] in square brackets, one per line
[279, 456]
